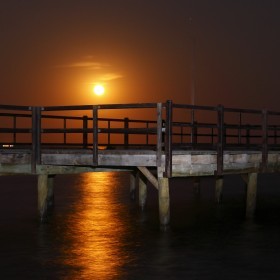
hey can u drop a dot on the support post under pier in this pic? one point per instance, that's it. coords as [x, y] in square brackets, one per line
[132, 189]
[142, 191]
[251, 194]
[50, 196]
[45, 194]
[219, 189]
[164, 203]
[196, 186]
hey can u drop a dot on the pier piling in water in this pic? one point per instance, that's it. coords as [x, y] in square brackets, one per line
[132, 189]
[219, 189]
[45, 194]
[142, 191]
[251, 194]
[164, 203]
[196, 186]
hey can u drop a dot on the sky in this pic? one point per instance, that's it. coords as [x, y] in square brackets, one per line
[53, 52]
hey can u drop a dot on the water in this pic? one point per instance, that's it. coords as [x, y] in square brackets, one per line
[96, 232]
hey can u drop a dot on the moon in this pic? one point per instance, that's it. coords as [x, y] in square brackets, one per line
[99, 89]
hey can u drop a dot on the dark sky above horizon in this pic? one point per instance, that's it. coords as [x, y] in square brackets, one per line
[52, 52]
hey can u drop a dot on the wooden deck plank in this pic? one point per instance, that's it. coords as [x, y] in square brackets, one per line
[184, 163]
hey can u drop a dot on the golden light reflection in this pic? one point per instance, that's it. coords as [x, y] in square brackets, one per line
[98, 230]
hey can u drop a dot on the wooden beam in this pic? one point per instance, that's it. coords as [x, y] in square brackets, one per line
[251, 195]
[146, 172]
[219, 188]
[132, 189]
[42, 196]
[164, 203]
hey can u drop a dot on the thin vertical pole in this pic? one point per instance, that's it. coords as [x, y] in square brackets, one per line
[15, 126]
[248, 136]
[220, 145]
[193, 64]
[264, 140]
[95, 136]
[168, 140]
[126, 126]
[85, 134]
[36, 138]
[192, 127]
[160, 129]
[64, 134]
[239, 129]
[109, 133]
[147, 134]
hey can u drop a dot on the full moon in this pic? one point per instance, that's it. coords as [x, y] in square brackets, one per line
[99, 90]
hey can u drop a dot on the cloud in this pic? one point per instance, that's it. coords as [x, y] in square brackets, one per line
[102, 69]
[111, 76]
[88, 65]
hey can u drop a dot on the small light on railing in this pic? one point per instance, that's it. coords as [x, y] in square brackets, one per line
[7, 146]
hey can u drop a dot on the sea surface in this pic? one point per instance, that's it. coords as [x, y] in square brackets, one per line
[95, 231]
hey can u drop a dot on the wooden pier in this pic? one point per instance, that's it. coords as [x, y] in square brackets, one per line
[158, 140]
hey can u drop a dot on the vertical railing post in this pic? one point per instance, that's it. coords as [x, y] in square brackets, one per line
[220, 144]
[168, 140]
[109, 133]
[147, 134]
[64, 134]
[192, 127]
[15, 126]
[239, 129]
[160, 130]
[95, 135]
[264, 140]
[125, 136]
[85, 133]
[248, 136]
[36, 138]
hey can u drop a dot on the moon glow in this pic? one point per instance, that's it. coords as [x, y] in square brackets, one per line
[98, 90]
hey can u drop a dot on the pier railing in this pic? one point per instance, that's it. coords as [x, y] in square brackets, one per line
[162, 127]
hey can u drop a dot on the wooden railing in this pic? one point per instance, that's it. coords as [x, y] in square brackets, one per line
[163, 127]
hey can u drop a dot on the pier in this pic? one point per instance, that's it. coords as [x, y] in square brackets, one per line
[159, 141]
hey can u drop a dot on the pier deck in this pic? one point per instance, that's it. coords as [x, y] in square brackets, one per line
[184, 163]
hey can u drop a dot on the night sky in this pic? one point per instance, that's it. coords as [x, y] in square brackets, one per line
[53, 52]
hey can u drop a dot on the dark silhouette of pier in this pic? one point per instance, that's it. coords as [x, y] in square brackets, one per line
[159, 141]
